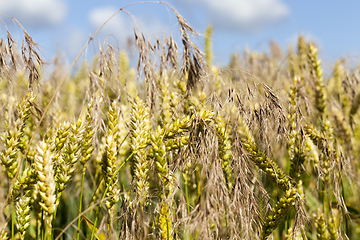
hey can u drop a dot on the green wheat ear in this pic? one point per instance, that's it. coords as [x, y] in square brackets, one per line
[23, 213]
[261, 160]
[139, 139]
[89, 131]
[279, 212]
[317, 72]
[208, 46]
[225, 150]
[293, 235]
[295, 144]
[302, 51]
[321, 227]
[13, 137]
[25, 182]
[166, 113]
[109, 158]
[165, 183]
[69, 155]
[3, 233]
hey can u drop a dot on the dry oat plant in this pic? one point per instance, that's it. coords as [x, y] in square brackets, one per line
[177, 148]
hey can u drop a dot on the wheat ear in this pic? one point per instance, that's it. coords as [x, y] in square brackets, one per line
[23, 209]
[109, 158]
[46, 183]
[14, 138]
[165, 182]
[140, 127]
[225, 150]
[262, 160]
[320, 95]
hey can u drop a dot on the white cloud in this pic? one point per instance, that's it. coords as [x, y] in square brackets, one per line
[35, 13]
[244, 14]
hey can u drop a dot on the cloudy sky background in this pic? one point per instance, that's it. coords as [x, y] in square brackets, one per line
[65, 25]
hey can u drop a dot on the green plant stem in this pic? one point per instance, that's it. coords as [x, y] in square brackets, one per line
[95, 222]
[187, 194]
[103, 197]
[80, 203]
[12, 220]
[343, 195]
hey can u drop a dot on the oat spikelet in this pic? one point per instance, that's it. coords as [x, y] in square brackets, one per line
[29, 54]
[193, 62]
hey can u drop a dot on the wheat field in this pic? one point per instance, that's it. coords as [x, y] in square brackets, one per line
[177, 147]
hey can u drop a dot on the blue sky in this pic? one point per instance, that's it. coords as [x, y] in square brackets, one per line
[65, 26]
